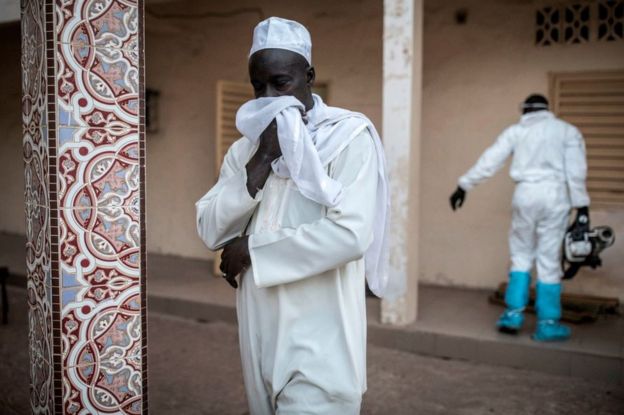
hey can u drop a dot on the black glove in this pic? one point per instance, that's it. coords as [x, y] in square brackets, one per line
[581, 223]
[457, 198]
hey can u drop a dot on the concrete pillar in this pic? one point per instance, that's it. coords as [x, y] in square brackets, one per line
[402, 90]
[84, 155]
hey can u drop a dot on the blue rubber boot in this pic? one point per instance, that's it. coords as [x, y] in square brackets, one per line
[548, 308]
[516, 299]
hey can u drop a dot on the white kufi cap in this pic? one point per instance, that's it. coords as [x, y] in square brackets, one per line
[278, 33]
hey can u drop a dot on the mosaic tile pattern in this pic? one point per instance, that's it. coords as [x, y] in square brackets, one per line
[84, 155]
[102, 352]
[37, 212]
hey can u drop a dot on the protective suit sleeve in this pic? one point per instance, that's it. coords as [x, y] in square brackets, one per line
[576, 168]
[490, 161]
[223, 212]
[341, 236]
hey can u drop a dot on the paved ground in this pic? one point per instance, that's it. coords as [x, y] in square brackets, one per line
[195, 369]
[184, 287]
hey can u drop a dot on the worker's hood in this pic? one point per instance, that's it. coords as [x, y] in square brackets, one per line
[535, 117]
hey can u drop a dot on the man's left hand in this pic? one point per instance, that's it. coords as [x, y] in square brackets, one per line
[235, 259]
[457, 198]
[581, 223]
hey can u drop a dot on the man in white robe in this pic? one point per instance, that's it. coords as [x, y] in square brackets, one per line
[301, 264]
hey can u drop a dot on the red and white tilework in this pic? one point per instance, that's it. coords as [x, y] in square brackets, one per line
[84, 153]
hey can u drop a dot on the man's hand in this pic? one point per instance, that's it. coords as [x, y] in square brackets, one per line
[457, 198]
[581, 223]
[259, 167]
[235, 259]
[269, 143]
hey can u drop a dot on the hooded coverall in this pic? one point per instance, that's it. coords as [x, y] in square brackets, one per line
[549, 168]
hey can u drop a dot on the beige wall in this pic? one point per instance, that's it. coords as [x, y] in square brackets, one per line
[185, 58]
[475, 76]
[11, 161]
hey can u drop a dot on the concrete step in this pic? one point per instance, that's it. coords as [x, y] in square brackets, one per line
[501, 350]
[520, 355]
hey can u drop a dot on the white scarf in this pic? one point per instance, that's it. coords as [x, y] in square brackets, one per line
[307, 149]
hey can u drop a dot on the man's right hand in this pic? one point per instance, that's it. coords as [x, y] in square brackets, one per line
[269, 143]
[259, 167]
[457, 198]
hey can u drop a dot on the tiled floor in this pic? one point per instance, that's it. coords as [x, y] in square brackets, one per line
[453, 323]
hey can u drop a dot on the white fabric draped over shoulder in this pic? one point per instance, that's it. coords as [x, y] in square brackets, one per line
[309, 147]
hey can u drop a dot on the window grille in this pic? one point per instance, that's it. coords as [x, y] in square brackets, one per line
[548, 26]
[576, 23]
[579, 22]
[611, 20]
[594, 102]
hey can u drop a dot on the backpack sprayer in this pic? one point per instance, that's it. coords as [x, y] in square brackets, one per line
[583, 248]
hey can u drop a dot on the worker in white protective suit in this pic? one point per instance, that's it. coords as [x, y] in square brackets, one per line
[549, 168]
[300, 210]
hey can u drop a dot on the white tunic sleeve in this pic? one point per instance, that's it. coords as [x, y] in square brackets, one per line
[576, 168]
[223, 212]
[341, 236]
[490, 161]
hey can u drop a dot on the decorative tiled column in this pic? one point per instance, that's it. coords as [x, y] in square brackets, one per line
[84, 153]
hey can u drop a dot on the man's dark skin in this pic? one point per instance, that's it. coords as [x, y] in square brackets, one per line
[273, 73]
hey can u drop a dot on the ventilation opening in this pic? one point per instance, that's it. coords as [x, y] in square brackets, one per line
[594, 102]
